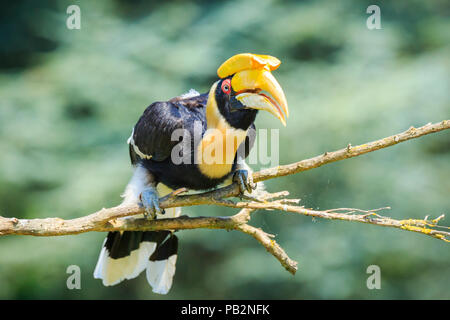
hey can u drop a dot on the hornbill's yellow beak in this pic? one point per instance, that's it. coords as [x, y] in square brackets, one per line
[251, 78]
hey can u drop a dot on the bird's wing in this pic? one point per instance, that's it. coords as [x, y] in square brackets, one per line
[152, 134]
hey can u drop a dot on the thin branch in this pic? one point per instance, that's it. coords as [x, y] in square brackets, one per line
[423, 226]
[350, 152]
[110, 219]
[271, 246]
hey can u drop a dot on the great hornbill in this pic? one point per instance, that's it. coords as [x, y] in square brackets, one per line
[223, 118]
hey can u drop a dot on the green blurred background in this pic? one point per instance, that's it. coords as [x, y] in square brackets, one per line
[69, 98]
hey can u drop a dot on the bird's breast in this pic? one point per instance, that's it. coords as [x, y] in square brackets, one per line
[217, 150]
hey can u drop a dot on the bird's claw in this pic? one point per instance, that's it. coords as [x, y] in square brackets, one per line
[244, 180]
[150, 202]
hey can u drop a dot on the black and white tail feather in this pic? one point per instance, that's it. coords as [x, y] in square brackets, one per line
[126, 254]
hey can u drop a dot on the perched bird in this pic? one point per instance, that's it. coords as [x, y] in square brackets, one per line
[194, 141]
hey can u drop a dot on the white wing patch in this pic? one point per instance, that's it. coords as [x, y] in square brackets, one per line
[136, 149]
[130, 139]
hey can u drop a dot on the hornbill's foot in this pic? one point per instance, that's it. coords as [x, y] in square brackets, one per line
[244, 180]
[150, 202]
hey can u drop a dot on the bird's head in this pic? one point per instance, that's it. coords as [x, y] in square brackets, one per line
[247, 85]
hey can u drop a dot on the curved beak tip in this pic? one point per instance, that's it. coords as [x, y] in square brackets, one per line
[252, 85]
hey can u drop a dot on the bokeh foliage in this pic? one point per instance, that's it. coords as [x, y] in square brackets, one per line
[69, 98]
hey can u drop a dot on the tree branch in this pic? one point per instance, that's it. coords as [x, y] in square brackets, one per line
[350, 152]
[108, 219]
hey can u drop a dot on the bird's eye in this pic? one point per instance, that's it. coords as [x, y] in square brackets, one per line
[226, 86]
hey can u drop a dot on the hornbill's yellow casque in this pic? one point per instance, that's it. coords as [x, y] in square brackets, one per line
[223, 118]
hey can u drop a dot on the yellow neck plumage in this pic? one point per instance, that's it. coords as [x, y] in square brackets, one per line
[217, 149]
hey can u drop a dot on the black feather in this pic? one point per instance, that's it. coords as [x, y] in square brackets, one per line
[121, 245]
